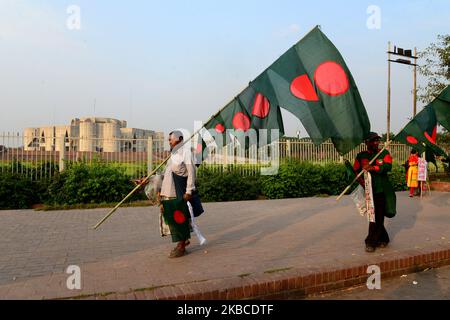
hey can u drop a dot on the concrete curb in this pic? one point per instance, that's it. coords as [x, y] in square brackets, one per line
[298, 283]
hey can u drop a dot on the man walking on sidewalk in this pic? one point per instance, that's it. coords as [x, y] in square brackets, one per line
[383, 193]
[178, 188]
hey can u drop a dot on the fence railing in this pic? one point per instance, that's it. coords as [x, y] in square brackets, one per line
[39, 158]
[325, 152]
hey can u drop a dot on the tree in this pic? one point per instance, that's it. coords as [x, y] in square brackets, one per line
[436, 68]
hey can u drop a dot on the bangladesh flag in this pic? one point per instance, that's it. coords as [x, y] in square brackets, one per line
[201, 148]
[420, 133]
[249, 110]
[263, 115]
[441, 106]
[176, 216]
[312, 81]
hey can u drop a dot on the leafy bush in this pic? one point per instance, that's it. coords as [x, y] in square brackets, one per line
[81, 183]
[31, 170]
[303, 179]
[16, 192]
[227, 186]
[334, 178]
[398, 177]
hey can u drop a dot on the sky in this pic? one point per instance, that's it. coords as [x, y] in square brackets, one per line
[161, 65]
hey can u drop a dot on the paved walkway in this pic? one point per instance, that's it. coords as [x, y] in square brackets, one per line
[249, 240]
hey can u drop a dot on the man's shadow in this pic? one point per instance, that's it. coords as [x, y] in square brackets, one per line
[276, 223]
[406, 217]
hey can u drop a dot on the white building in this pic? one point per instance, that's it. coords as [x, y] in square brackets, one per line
[91, 134]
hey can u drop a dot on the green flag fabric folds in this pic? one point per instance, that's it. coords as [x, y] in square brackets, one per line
[312, 81]
[420, 133]
[441, 106]
[249, 110]
[176, 216]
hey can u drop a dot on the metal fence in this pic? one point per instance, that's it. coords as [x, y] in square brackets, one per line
[305, 150]
[30, 157]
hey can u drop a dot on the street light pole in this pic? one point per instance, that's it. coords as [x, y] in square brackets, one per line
[389, 94]
[408, 55]
[415, 83]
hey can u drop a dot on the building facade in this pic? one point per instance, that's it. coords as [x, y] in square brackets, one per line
[91, 134]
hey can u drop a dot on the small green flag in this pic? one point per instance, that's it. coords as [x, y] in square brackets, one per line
[420, 133]
[176, 216]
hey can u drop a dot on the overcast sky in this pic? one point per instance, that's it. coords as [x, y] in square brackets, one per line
[164, 64]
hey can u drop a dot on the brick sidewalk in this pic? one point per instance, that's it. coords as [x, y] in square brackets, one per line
[256, 249]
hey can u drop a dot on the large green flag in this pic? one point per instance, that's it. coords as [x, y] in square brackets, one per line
[441, 106]
[420, 133]
[312, 81]
[249, 110]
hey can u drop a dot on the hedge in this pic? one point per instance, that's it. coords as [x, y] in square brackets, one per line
[94, 183]
[100, 183]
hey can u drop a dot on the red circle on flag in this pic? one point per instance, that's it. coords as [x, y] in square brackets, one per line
[302, 88]
[241, 121]
[220, 128]
[429, 138]
[179, 217]
[412, 140]
[199, 148]
[261, 106]
[331, 78]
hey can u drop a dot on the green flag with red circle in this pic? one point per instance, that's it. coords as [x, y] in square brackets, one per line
[312, 81]
[176, 216]
[421, 132]
[441, 106]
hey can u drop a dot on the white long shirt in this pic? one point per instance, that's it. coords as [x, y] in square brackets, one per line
[181, 163]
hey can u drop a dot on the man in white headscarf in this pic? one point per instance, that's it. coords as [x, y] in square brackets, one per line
[178, 182]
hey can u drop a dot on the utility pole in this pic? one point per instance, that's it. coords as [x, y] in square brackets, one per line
[406, 54]
[415, 83]
[389, 95]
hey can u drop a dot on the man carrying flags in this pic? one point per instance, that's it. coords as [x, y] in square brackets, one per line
[178, 187]
[383, 193]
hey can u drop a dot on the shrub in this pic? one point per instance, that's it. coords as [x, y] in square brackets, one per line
[81, 183]
[227, 186]
[397, 177]
[16, 192]
[334, 178]
[302, 179]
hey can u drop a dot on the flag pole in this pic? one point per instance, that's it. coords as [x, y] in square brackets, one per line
[362, 171]
[155, 170]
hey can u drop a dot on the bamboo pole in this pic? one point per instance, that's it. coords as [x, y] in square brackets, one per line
[362, 171]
